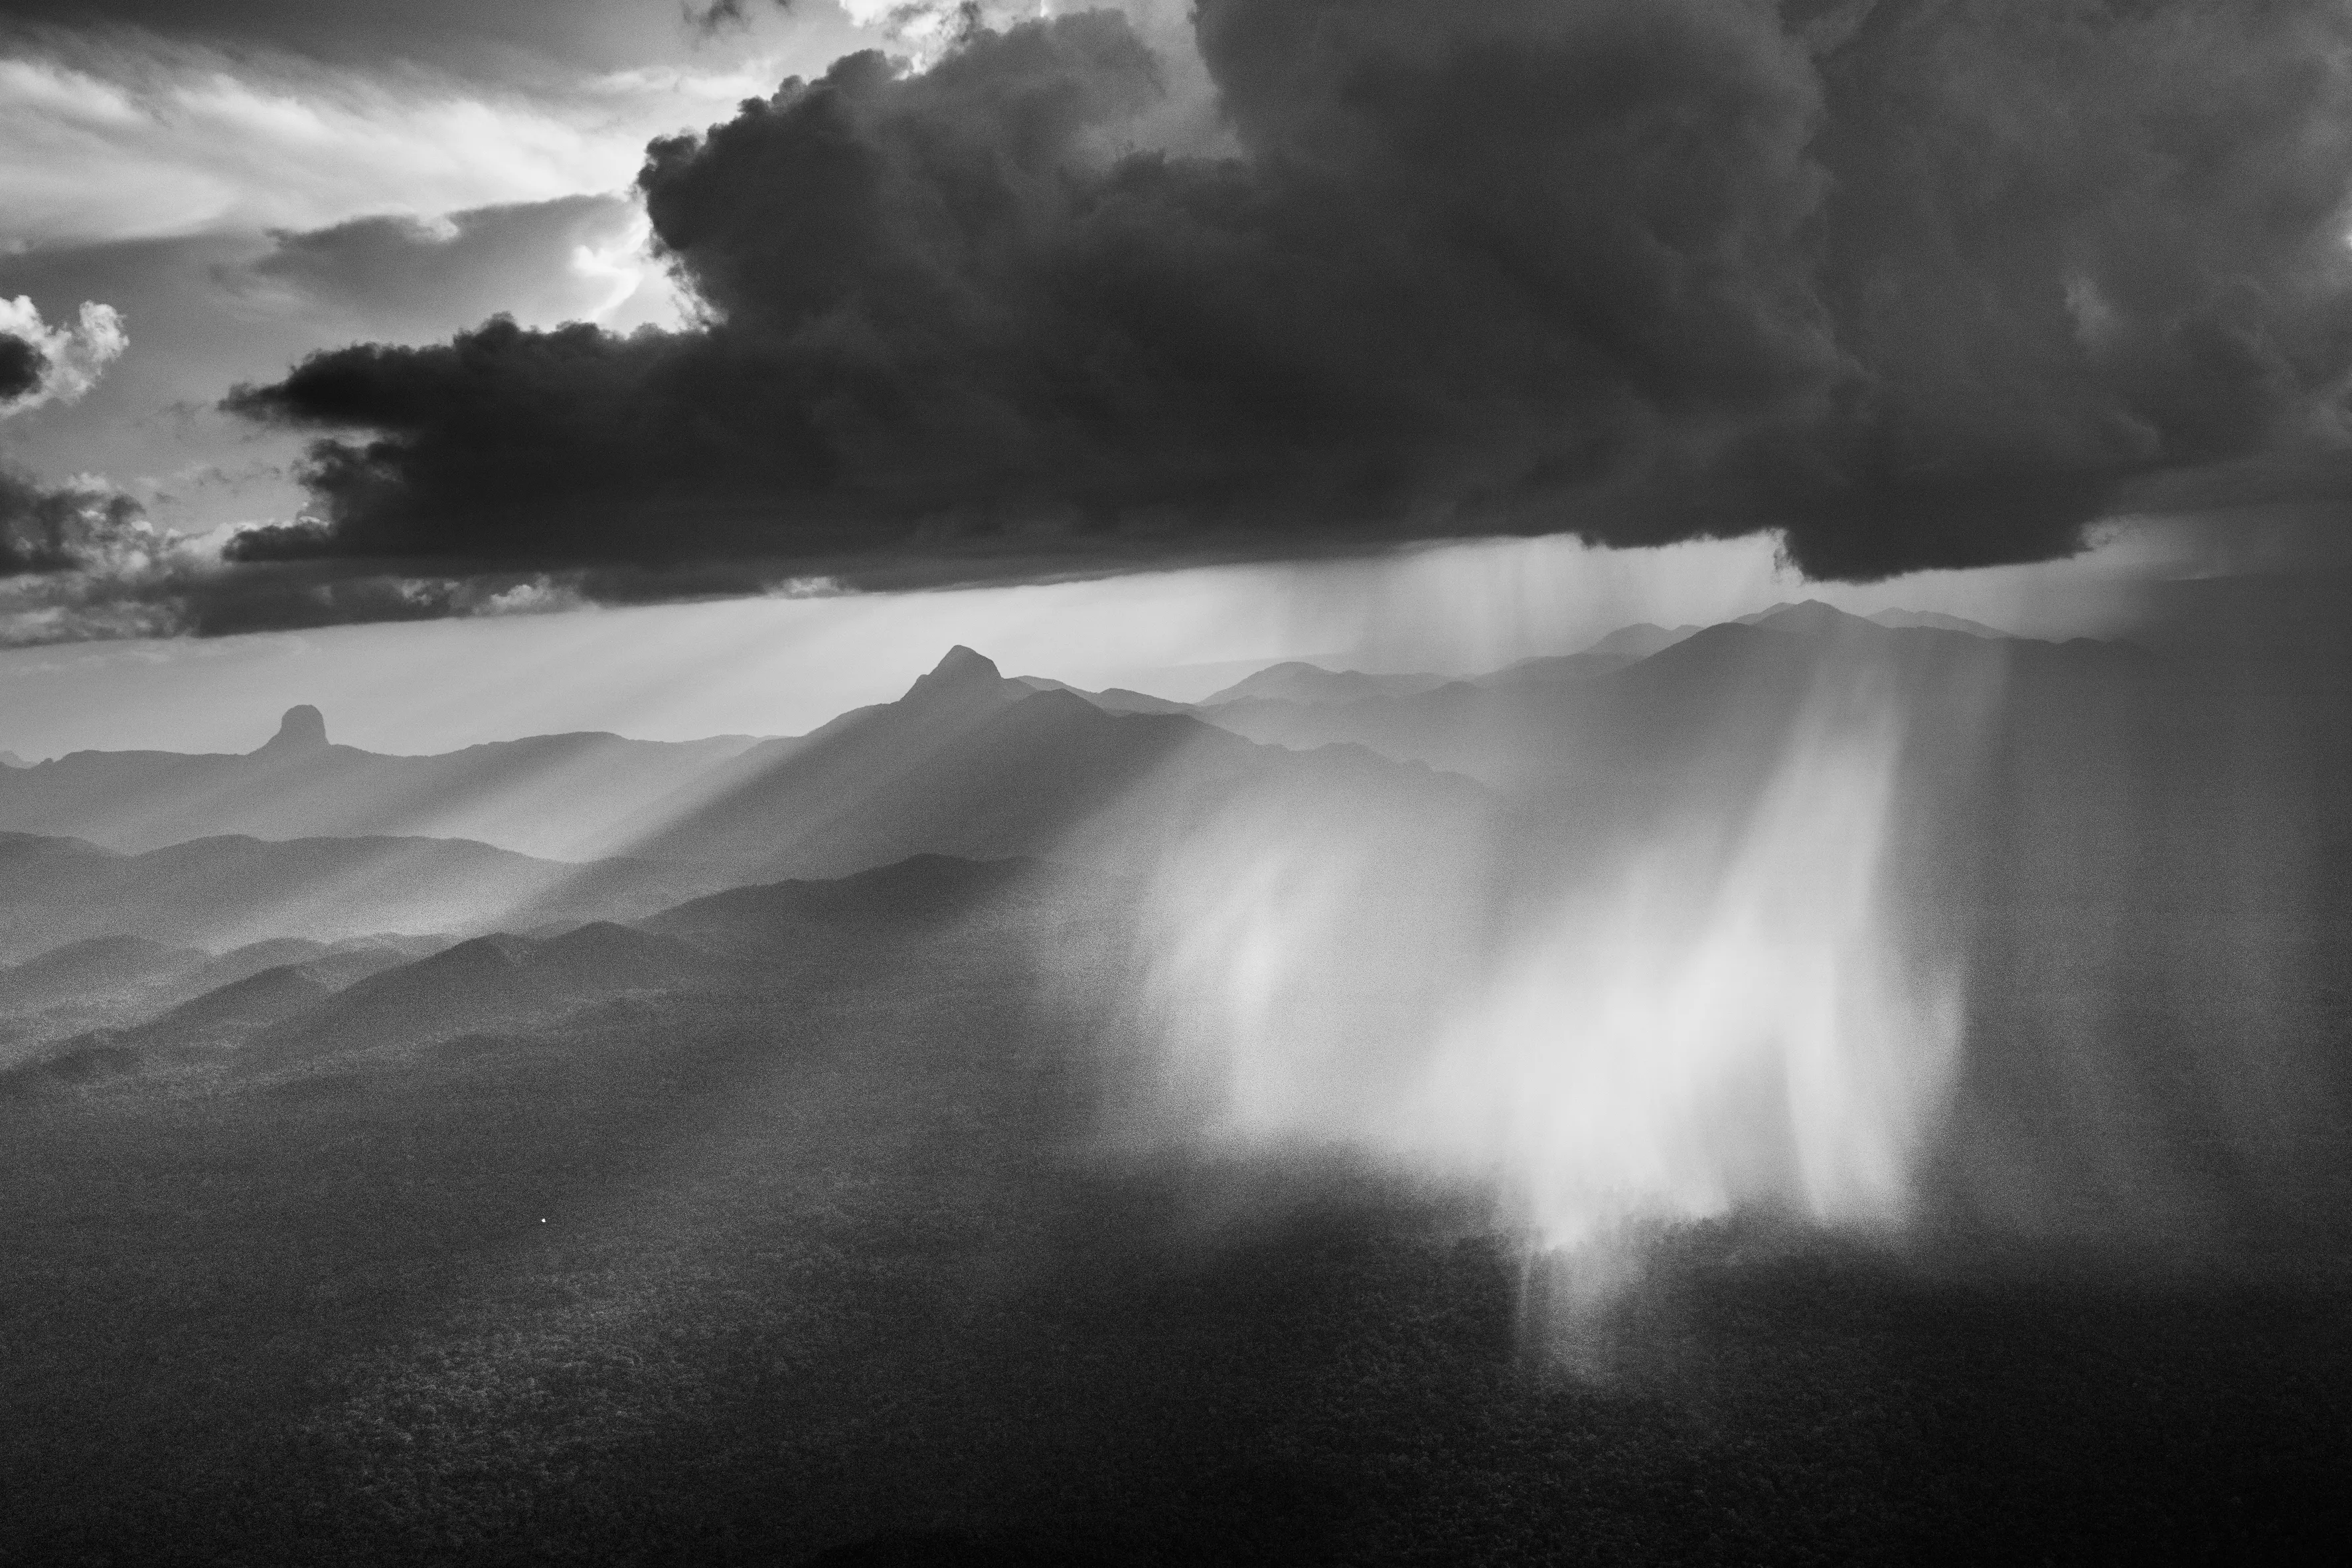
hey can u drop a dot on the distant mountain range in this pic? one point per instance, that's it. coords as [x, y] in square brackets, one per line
[972, 765]
[967, 763]
[177, 1012]
[1299, 682]
[1935, 622]
[2065, 756]
[2104, 842]
[1549, 724]
[549, 796]
[226, 893]
[588, 795]
[118, 981]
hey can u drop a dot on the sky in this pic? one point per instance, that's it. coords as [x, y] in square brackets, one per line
[780, 665]
[760, 347]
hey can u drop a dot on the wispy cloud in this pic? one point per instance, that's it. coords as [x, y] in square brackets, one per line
[130, 135]
[584, 258]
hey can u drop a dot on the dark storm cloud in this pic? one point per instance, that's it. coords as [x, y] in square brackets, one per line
[1919, 284]
[22, 366]
[66, 527]
[82, 560]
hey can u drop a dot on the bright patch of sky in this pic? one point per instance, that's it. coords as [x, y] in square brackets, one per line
[170, 138]
[145, 177]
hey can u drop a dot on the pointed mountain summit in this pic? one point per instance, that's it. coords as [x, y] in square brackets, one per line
[973, 766]
[961, 673]
[303, 729]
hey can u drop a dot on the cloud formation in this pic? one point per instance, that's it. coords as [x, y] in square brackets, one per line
[68, 528]
[489, 41]
[40, 363]
[22, 366]
[84, 560]
[1913, 284]
[117, 135]
[573, 259]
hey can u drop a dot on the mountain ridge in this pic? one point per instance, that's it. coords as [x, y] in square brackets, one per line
[227, 890]
[977, 765]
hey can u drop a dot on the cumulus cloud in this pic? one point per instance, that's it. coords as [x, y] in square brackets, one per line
[40, 363]
[1910, 284]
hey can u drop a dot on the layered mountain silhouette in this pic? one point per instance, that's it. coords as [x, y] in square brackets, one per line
[1646, 695]
[968, 763]
[1116, 699]
[1935, 620]
[122, 980]
[488, 984]
[220, 893]
[850, 793]
[568, 796]
[548, 795]
[776, 922]
[1300, 682]
[142, 1002]
[338, 1004]
[972, 765]
[82, 984]
[2106, 840]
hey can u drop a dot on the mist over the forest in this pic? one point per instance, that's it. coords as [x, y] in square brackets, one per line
[1765, 918]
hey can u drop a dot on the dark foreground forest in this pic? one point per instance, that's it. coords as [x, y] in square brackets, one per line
[824, 1262]
[858, 1166]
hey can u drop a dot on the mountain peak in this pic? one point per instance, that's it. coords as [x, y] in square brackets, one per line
[1809, 618]
[962, 664]
[960, 671]
[303, 729]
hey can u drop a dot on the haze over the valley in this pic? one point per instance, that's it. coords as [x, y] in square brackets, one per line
[1696, 919]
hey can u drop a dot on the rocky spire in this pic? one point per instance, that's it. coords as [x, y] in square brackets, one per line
[303, 729]
[960, 671]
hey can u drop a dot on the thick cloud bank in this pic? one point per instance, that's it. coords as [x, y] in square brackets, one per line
[1916, 283]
